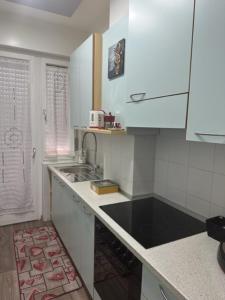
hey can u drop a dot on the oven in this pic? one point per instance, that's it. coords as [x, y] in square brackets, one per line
[117, 272]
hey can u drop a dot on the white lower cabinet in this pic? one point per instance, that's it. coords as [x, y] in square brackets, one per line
[153, 289]
[87, 248]
[82, 242]
[61, 197]
[75, 225]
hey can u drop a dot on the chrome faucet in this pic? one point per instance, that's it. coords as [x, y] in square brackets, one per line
[83, 141]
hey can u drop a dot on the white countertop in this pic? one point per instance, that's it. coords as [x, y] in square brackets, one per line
[188, 266]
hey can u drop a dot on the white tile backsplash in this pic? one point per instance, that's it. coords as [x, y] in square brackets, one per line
[219, 161]
[198, 205]
[218, 190]
[202, 155]
[178, 151]
[217, 210]
[178, 196]
[177, 175]
[189, 173]
[199, 183]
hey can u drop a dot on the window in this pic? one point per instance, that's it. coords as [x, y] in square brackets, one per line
[15, 136]
[57, 127]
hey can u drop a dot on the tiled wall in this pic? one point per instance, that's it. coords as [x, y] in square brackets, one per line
[189, 173]
[128, 160]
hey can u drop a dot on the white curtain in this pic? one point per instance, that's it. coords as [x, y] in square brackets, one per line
[15, 137]
[57, 137]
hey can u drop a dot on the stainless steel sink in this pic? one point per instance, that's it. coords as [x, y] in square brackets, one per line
[79, 173]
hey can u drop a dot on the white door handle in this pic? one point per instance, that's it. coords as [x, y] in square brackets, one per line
[34, 152]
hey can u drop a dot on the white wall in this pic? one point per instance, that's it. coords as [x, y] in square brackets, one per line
[191, 174]
[37, 35]
[118, 9]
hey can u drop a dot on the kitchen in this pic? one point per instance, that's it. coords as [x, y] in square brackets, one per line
[112, 159]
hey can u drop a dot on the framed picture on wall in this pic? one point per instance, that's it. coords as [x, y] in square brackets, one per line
[116, 60]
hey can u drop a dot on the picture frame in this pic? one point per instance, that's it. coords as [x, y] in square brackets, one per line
[116, 58]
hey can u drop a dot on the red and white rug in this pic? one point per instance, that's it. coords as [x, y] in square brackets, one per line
[44, 269]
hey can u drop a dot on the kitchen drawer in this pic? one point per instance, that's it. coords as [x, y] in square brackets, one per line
[153, 289]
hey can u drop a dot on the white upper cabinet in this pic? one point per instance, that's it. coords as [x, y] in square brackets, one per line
[81, 66]
[85, 80]
[158, 62]
[206, 117]
[75, 89]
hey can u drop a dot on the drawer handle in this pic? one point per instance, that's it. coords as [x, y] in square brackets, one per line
[163, 293]
[209, 134]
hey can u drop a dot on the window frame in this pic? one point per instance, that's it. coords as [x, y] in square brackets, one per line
[58, 63]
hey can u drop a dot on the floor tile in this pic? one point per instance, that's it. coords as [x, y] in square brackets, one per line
[9, 286]
[7, 257]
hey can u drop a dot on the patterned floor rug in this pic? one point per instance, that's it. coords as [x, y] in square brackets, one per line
[44, 269]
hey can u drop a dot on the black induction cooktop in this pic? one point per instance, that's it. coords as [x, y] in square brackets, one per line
[152, 222]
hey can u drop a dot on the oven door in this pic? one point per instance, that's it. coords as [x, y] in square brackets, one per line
[117, 272]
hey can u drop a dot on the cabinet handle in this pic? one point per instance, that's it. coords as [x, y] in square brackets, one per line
[134, 99]
[163, 293]
[209, 134]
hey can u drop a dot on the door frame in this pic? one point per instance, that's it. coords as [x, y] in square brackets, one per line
[36, 136]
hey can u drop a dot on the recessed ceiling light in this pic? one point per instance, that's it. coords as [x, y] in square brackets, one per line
[60, 7]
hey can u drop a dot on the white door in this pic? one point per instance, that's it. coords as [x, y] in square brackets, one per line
[19, 176]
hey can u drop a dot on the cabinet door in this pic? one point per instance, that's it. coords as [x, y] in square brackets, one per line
[76, 232]
[57, 206]
[87, 245]
[152, 289]
[75, 115]
[159, 47]
[206, 120]
[81, 82]
[66, 199]
[61, 204]
[158, 63]
[86, 80]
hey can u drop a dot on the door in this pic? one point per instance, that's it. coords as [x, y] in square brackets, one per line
[206, 122]
[19, 177]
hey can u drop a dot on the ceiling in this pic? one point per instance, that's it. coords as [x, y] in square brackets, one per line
[64, 8]
[83, 15]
